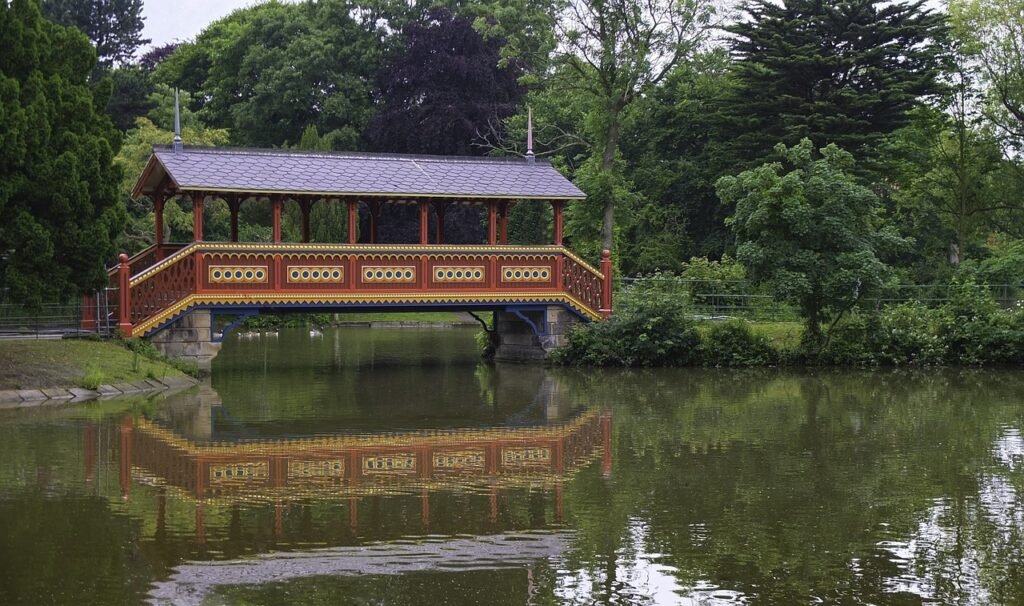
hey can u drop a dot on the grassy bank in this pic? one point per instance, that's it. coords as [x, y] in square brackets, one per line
[37, 364]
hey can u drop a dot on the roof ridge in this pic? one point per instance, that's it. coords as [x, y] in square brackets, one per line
[354, 155]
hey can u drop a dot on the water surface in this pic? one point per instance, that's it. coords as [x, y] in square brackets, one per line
[388, 466]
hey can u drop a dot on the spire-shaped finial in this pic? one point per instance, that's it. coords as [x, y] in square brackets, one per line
[529, 135]
[177, 123]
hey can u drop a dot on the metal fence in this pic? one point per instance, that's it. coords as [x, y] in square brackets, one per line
[739, 298]
[56, 320]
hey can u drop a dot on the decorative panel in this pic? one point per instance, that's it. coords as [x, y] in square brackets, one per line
[388, 275]
[459, 459]
[321, 468]
[238, 471]
[249, 274]
[449, 273]
[389, 464]
[525, 274]
[316, 274]
[534, 456]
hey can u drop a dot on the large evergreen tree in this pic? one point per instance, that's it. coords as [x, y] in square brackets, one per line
[834, 72]
[59, 208]
[114, 26]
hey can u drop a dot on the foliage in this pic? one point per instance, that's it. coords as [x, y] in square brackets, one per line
[650, 328]
[442, 89]
[59, 209]
[993, 32]
[811, 234]
[614, 51]
[267, 72]
[113, 26]
[844, 73]
[733, 344]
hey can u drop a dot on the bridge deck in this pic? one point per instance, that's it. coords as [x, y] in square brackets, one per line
[153, 290]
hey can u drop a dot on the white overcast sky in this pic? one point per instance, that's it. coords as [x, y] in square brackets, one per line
[170, 20]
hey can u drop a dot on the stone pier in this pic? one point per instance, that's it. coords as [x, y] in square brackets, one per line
[529, 336]
[189, 338]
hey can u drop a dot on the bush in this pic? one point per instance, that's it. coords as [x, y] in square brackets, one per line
[650, 329]
[734, 344]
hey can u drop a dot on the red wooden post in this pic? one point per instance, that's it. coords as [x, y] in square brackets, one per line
[557, 205]
[492, 224]
[233, 205]
[424, 224]
[503, 222]
[158, 217]
[277, 202]
[606, 284]
[352, 218]
[197, 216]
[124, 305]
[305, 205]
[439, 209]
[88, 313]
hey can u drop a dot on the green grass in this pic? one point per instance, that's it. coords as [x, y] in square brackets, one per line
[77, 362]
[785, 336]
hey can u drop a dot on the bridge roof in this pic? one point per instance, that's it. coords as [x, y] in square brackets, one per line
[264, 171]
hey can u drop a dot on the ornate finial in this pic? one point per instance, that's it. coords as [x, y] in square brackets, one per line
[177, 124]
[529, 135]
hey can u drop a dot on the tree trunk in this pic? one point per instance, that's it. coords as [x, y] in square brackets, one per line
[611, 145]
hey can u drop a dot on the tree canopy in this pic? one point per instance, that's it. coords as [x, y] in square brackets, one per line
[113, 26]
[834, 72]
[59, 210]
[809, 231]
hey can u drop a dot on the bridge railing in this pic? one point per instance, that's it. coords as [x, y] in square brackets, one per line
[245, 274]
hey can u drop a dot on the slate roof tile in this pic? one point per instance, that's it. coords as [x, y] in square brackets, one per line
[199, 168]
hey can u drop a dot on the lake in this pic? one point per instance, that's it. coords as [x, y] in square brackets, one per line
[389, 466]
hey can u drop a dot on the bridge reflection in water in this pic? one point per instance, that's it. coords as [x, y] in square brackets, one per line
[275, 496]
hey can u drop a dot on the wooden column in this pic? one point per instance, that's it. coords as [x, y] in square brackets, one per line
[503, 223]
[353, 217]
[277, 202]
[439, 209]
[424, 223]
[558, 222]
[197, 216]
[234, 203]
[606, 284]
[305, 206]
[124, 296]
[492, 223]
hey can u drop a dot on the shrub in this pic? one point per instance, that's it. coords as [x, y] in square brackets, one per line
[734, 344]
[649, 329]
[912, 334]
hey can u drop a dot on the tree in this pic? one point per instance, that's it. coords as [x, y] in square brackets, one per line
[834, 72]
[442, 89]
[269, 71]
[131, 96]
[810, 233]
[114, 26]
[616, 50]
[59, 210]
[993, 32]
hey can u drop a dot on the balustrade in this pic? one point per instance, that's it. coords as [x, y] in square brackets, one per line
[311, 274]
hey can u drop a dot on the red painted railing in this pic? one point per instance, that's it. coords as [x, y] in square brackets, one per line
[314, 274]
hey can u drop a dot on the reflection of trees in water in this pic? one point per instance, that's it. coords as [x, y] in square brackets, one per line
[797, 479]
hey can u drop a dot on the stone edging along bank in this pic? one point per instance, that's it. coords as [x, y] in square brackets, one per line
[30, 397]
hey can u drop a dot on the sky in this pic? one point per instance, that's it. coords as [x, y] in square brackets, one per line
[170, 20]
